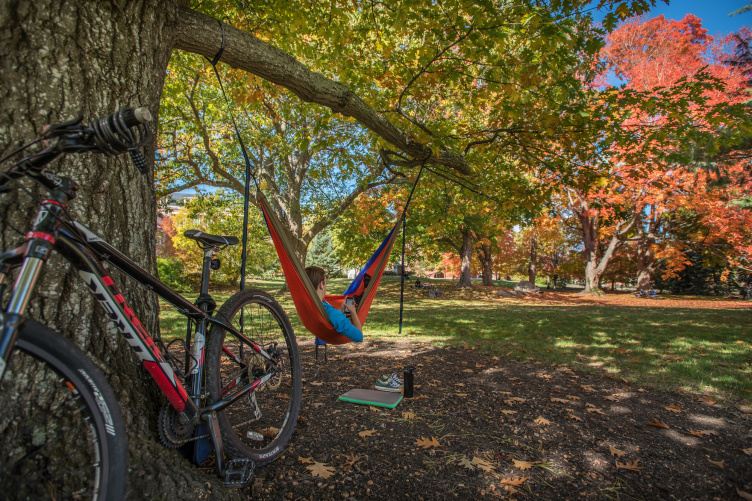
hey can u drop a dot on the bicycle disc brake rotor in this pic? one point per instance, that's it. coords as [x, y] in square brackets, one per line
[172, 431]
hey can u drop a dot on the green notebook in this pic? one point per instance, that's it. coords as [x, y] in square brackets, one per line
[373, 397]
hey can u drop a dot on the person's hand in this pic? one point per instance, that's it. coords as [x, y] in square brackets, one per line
[351, 308]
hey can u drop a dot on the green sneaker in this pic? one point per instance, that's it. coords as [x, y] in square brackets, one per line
[389, 383]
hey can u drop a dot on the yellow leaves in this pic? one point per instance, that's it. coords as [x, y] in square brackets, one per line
[541, 421]
[426, 443]
[374, 409]
[630, 466]
[658, 424]
[367, 433]
[615, 452]
[320, 470]
[674, 408]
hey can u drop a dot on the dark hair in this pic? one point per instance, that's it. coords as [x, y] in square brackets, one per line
[316, 274]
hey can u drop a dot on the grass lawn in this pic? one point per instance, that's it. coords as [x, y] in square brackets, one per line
[702, 345]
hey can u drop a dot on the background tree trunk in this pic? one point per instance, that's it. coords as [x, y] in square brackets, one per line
[60, 57]
[486, 260]
[466, 258]
[532, 268]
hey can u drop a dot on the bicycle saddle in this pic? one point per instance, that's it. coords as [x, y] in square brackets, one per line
[209, 239]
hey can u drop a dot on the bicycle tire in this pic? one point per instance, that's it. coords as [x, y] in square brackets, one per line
[61, 431]
[265, 323]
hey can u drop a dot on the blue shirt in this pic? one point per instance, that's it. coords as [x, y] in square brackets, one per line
[342, 324]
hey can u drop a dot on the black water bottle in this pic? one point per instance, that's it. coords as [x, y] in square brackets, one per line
[409, 380]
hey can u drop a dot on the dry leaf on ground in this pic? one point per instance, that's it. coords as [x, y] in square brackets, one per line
[507, 411]
[467, 463]
[559, 400]
[630, 466]
[615, 452]
[426, 442]
[674, 408]
[658, 424]
[317, 383]
[306, 460]
[588, 388]
[408, 415]
[540, 420]
[321, 470]
[367, 433]
[744, 495]
[748, 452]
[351, 460]
[707, 400]
[719, 464]
[483, 464]
[515, 481]
[572, 416]
[523, 465]
[513, 400]
[596, 410]
[694, 433]
[374, 409]
[572, 397]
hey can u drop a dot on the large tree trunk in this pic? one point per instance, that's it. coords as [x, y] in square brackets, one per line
[60, 57]
[466, 258]
[532, 268]
[589, 226]
[486, 261]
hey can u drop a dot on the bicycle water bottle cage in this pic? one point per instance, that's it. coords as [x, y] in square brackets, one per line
[208, 240]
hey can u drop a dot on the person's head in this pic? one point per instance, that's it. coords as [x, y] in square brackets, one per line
[317, 275]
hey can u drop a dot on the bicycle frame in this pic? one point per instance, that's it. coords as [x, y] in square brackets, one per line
[86, 252]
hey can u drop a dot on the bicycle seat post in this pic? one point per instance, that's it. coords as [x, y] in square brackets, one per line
[210, 252]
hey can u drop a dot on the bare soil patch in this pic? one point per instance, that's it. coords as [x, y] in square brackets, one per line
[483, 426]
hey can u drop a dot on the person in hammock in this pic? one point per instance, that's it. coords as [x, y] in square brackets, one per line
[348, 327]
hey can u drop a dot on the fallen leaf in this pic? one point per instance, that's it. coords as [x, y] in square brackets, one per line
[367, 433]
[748, 452]
[468, 370]
[611, 398]
[708, 432]
[694, 433]
[560, 400]
[572, 416]
[707, 400]
[317, 383]
[374, 409]
[615, 452]
[321, 470]
[318, 404]
[523, 465]
[588, 388]
[351, 460]
[515, 481]
[461, 394]
[483, 464]
[630, 466]
[306, 460]
[269, 432]
[572, 397]
[544, 376]
[744, 495]
[673, 408]
[657, 424]
[507, 411]
[467, 463]
[408, 415]
[513, 400]
[719, 464]
[596, 410]
[426, 443]
[540, 420]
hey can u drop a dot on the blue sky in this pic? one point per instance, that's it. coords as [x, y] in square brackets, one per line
[714, 13]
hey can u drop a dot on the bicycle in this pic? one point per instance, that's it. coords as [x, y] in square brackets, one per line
[240, 378]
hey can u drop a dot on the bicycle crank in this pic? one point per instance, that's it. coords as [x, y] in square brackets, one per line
[172, 431]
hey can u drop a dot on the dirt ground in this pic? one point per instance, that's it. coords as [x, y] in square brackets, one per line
[481, 426]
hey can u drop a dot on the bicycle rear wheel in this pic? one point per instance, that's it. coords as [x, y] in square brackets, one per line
[259, 425]
[61, 433]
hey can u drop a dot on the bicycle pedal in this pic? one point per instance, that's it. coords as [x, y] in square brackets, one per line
[239, 472]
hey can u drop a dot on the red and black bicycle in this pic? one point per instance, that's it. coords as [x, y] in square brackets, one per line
[233, 382]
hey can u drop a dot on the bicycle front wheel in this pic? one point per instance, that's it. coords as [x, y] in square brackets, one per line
[61, 433]
[260, 424]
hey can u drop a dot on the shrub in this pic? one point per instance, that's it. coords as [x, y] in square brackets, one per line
[171, 272]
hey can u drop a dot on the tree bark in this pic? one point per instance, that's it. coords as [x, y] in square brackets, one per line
[60, 57]
[486, 261]
[532, 268]
[466, 258]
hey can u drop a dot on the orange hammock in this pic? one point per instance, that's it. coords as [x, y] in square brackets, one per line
[308, 304]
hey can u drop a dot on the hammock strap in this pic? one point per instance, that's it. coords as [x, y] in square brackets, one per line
[402, 261]
[249, 175]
